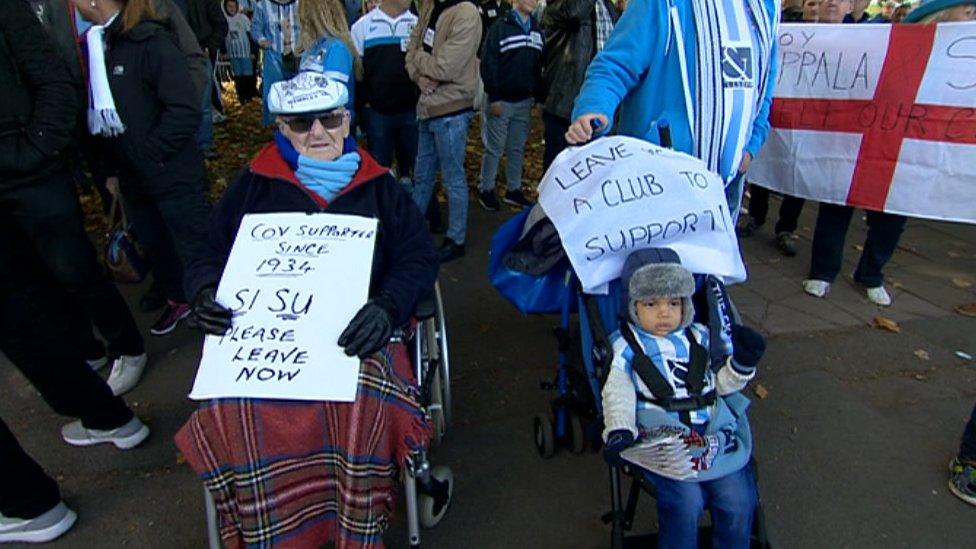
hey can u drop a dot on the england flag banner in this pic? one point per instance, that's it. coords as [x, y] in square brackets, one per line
[881, 117]
[619, 194]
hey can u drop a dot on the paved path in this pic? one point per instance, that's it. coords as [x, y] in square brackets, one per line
[852, 439]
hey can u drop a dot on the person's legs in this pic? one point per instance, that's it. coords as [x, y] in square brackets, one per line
[451, 142]
[828, 241]
[518, 132]
[271, 72]
[884, 231]
[731, 501]
[554, 131]
[35, 337]
[789, 214]
[406, 142]
[680, 506]
[26, 491]
[49, 215]
[758, 204]
[425, 169]
[967, 449]
[205, 139]
[379, 136]
[151, 231]
[494, 131]
[183, 209]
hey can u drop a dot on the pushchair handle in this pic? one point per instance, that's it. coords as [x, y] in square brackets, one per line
[664, 134]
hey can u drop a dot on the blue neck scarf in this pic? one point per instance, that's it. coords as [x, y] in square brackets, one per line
[325, 178]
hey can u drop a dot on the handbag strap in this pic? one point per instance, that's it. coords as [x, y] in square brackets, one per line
[117, 206]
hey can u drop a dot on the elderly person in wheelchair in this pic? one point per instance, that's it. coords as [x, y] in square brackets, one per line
[309, 473]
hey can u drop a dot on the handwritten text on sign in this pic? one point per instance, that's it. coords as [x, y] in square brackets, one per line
[620, 194]
[294, 281]
[875, 116]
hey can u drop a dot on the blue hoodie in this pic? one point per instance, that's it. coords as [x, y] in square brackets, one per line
[638, 71]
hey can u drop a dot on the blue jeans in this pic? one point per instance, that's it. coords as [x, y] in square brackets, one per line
[506, 132]
[442, 143]
[680, 504]
[387, 134]
[205, 138]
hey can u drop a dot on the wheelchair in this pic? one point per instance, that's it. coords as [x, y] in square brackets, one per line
[427, 488]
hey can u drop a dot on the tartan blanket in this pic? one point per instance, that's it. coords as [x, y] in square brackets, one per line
[301, 474]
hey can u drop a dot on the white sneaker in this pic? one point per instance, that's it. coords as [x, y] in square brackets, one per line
[126, 373]
[879, 296]
[50, 525]
[125, 437]
[97, 363]
[816, 288]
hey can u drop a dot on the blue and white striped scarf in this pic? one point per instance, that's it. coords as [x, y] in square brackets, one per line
[722, 119]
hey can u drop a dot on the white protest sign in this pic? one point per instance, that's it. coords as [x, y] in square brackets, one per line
[620, 194]
[294, 281]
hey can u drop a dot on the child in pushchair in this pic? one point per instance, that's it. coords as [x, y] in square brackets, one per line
[665, 390]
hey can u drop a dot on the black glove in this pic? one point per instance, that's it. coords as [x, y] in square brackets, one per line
[371, 328]
[617, 441]
[209, 316]
[748, 346]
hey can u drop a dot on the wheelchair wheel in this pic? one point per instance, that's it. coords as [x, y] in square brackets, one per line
[577, 440]
[436, 408]
[444, 364]
[434, 501]
[545, 439]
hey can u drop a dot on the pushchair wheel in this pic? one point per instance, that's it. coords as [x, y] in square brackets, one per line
[436, 497]
[545, 439]
[577, 441]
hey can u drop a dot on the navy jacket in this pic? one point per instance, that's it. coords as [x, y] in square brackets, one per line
[159, 106]
[405, 262]
[511, 62]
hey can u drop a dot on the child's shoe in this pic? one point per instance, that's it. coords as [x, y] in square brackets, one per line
[962, 480]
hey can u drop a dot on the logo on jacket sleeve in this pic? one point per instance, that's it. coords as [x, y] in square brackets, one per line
[118, 70]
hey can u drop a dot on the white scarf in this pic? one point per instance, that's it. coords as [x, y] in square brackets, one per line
[103, 118]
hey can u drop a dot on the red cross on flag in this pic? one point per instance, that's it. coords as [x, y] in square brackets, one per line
[881, 117]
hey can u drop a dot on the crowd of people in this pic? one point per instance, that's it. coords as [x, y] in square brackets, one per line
[366, 104]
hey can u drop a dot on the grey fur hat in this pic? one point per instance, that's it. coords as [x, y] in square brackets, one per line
[657, 272]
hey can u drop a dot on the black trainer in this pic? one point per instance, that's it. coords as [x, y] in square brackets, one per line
[450, 250]
[516, 198]
[489, 201]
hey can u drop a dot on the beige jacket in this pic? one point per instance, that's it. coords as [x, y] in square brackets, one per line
[453, 60]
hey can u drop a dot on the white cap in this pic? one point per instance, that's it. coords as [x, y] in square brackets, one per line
[307, 92]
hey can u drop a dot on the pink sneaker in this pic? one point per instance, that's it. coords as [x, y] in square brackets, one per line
[173, 313]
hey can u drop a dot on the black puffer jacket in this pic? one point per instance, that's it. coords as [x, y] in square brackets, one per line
[38, 99]
[570, 31]
[159, 106]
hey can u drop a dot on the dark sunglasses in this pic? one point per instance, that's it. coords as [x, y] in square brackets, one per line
[303, 124]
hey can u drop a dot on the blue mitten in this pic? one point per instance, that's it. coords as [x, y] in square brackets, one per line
[617, 441]
[748, 347]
